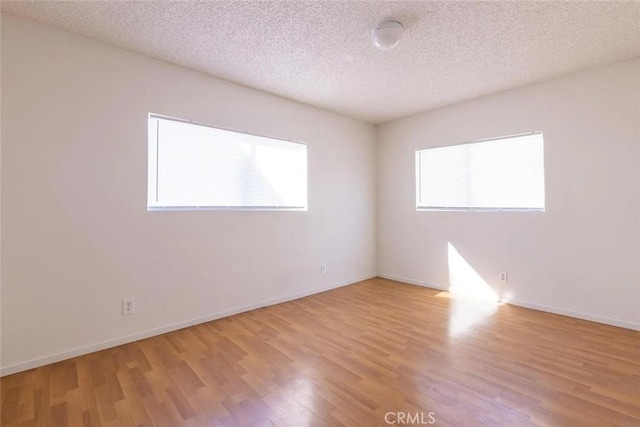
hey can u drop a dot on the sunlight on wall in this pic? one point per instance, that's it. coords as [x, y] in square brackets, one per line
[464, 280]
[473, 301]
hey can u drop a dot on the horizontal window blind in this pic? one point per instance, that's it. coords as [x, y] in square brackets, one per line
[492, 175]
[194, 166]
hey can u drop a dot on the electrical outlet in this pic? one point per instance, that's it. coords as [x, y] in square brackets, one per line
[323, 269]
[502, 276]
[128, 306]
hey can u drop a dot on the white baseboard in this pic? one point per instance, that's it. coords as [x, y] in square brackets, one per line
[535, 306]
[41, 361]
[414, 282]
[577, 314]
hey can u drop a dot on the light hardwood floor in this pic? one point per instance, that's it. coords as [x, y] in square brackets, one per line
[352, 356]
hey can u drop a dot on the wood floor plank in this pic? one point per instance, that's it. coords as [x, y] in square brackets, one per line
[360, 355]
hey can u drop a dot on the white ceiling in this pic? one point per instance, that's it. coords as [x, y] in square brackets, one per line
[320, 52]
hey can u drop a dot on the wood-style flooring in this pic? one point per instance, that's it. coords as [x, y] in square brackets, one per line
[375, 353]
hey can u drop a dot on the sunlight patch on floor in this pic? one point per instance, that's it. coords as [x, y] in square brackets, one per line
[473, 301]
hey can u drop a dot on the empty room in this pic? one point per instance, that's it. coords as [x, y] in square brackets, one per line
[320, 213]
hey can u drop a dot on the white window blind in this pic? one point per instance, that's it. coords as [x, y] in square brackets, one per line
[195, 166]
[492, 175]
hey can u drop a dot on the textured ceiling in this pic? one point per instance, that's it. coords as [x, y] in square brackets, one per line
[320, 52]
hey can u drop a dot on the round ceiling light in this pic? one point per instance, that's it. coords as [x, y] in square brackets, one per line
[386, 35]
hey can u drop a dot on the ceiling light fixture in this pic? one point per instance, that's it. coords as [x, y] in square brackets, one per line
[386, 35]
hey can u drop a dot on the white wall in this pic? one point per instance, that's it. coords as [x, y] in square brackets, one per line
[580, 257]
[76, 234]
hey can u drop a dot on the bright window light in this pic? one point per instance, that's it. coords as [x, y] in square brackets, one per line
[502, 174]
[195, 166]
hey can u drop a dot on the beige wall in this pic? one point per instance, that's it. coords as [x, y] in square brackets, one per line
[581, 256]
[76, 234]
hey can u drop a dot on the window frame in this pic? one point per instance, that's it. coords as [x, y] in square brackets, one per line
[220, 207]
[418, 182]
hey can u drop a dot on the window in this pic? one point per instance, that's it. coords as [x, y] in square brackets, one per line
[195, 166]
[501, 174]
